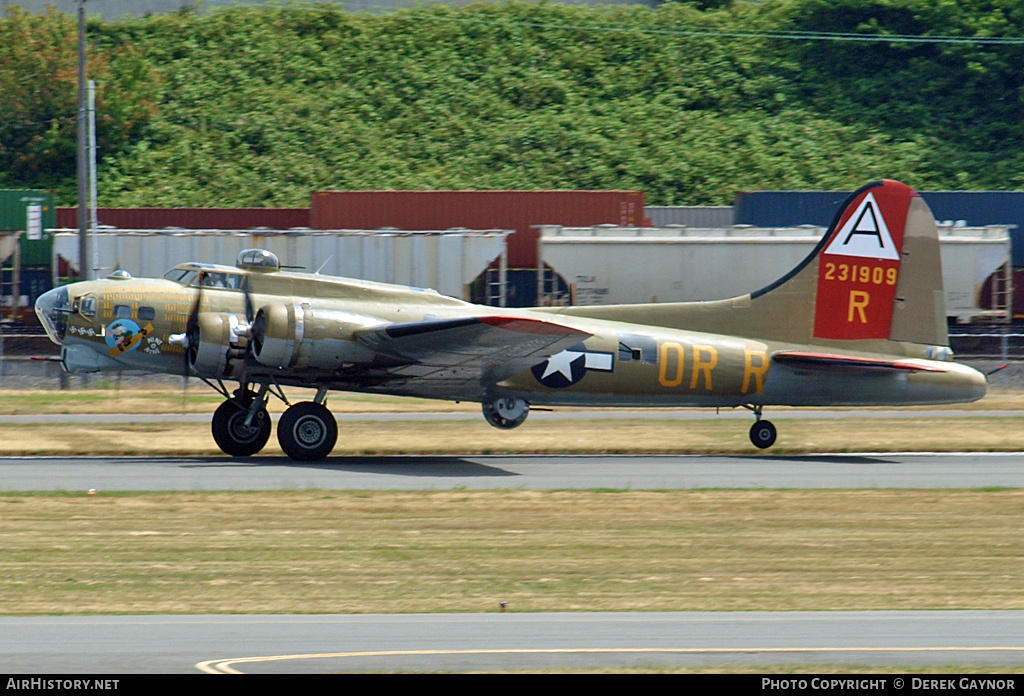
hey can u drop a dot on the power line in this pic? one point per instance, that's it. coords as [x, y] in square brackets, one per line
[784, 35]
[399, 13]
[30, 124]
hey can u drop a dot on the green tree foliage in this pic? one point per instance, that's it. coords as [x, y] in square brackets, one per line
[689, 102]
[964, 98]
[39, 99]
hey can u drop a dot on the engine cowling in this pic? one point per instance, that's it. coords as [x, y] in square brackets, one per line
[296, 335]
[219, 348]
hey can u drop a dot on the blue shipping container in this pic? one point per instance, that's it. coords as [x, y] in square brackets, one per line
[974, 208]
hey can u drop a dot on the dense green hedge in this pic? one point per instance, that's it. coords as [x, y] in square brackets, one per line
[262, 105]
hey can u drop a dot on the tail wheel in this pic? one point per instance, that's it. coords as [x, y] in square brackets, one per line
[763, 434]
[307, 431]
[506, 413]
[231, 433]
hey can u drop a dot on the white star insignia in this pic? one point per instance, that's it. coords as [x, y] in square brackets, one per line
[561, 362]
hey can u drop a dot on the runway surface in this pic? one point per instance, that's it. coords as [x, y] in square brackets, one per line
[865, 470]
[509, 641]
[466, 642]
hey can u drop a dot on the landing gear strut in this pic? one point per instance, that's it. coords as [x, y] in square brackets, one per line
[241, 425]
[762, 432]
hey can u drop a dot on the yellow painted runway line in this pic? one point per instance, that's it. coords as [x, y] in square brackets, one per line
[226, 666]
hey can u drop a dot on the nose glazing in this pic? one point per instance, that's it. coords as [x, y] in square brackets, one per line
[52, 308]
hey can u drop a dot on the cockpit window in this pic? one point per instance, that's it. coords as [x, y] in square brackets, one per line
[181, 275]
[86, 306]
[210, 279]
[216, 279]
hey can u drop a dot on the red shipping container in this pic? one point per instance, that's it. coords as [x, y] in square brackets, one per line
[519, 211]
[191, 218]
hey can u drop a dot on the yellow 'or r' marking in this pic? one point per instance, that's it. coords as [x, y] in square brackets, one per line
[757, 372]
[701, 366]
[858, 301]
[664, 351]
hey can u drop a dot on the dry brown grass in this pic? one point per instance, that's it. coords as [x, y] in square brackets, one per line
[442, 551]
[538, 436]
[199, 398]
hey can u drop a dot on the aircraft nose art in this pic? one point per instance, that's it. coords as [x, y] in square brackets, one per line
[859, 266]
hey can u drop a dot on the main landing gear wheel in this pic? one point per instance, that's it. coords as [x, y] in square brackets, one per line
[231, 433]
[763, 434]
[506, 413]
[307, 431]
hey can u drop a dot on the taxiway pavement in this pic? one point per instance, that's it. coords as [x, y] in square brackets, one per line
[434, 472]
[503, 641]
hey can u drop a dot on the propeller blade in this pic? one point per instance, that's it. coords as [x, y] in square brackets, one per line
[250, 313]
[192, 327]
[243, 377]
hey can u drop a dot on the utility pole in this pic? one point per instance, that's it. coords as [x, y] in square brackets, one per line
[93, 221]
[84, 271]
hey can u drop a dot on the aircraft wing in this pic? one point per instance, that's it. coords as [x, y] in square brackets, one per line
[845, 363]
[469, 349]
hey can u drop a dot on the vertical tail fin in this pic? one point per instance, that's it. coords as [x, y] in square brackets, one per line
[879, 271]
[875, 277]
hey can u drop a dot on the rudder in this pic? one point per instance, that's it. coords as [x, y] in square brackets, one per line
[874, 278]
[880, 271]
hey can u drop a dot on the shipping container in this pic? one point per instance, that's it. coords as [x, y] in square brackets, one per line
[520, 211]
[190, 218]
[28, 284]
[448, 261]
[30, 213]
[614, 265]
[966, 208]
[689, 215]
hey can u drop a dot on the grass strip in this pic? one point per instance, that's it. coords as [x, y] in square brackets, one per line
[641, 436]
[197, 398]
[467, 551]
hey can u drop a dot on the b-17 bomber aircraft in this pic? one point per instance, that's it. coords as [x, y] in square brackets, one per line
[860, 322]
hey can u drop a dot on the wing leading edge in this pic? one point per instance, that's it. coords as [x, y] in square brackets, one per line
[471, 349]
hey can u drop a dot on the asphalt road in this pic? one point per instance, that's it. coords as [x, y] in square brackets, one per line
[864, 470]
[503, 641]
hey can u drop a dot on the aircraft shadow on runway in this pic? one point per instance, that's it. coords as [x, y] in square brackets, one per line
[433, 466]
[819, 459]
[458, 467]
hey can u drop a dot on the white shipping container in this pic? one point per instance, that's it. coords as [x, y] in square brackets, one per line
[444, 260]
[626, 265]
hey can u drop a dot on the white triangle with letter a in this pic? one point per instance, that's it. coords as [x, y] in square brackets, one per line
[865, 234]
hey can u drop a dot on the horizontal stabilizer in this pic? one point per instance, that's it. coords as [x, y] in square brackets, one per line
[844, 363]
